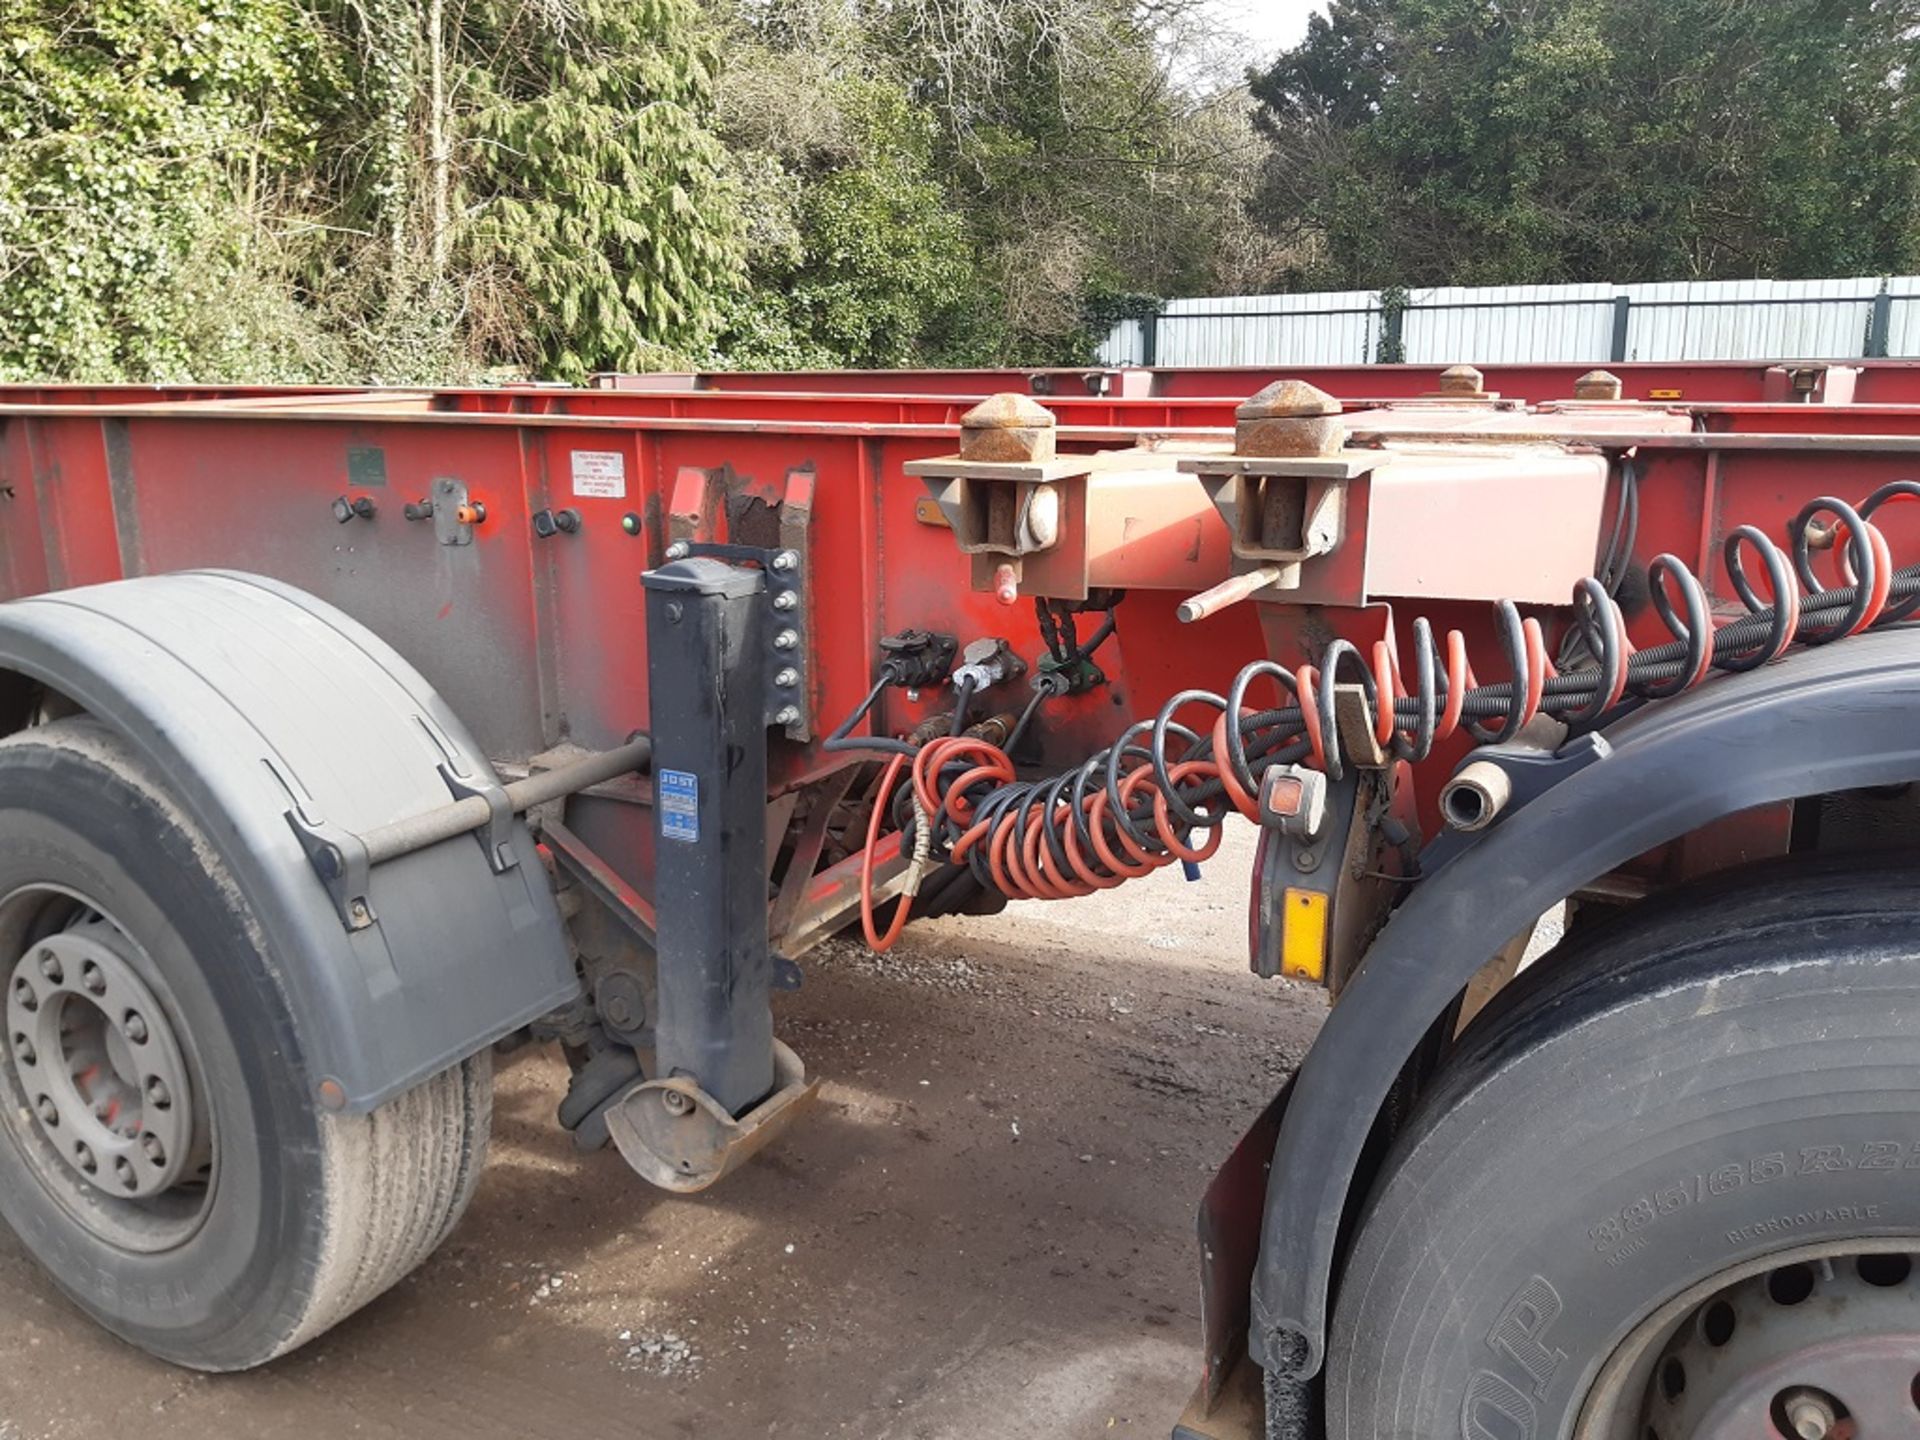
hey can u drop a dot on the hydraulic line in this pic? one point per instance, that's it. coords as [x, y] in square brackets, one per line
[1161, 792]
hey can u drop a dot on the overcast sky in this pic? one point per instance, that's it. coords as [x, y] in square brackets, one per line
[1271, 24]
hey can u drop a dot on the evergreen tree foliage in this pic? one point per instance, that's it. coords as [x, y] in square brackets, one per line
[1489, 141]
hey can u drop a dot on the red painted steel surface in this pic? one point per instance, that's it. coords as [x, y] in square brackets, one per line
[1894, 382]
[537, 642]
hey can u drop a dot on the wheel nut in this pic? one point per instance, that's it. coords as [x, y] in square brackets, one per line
[1810, 1413]
[50, 967]
[92, 978]
[123, 1172]
[48, 1112]
[23, 1050]
[83, 1152]
[151, 1147]
[135, 1025]
[158, 1095]
[24, 996]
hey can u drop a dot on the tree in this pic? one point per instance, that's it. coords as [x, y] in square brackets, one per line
[1492, 141]
[148, 150]
[855, 256]
[539, 181]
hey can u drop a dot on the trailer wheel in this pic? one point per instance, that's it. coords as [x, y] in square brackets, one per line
[1667, 1187]
[162, 1153]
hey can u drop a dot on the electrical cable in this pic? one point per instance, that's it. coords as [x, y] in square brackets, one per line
[1161, 792]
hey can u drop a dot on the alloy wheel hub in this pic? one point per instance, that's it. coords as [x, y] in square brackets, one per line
[96, 1056]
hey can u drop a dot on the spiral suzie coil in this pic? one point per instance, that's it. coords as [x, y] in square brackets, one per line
[1161, 792]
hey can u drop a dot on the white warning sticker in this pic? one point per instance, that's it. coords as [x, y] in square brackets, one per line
[600, 473]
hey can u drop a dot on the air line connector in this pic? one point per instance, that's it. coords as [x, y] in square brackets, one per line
[987, 662]
[917, 659]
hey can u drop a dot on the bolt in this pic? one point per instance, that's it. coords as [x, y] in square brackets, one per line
[787, 678]
[1289, 418]
[678, 550]
[1008, 429]
[48, 1112]
[474, 512]
[1810, 1413]
[151, 1147]
[23, 995]
[786, 640]
[418, 510]
[135, 1024]
[786, 560]
[787, 715]
[161, 1098]
[1462, 380]
[83, 1152]
[50, 967]
[24, 1052]
[123, 1172]
[92, 978]
[785, 600]
[1306, 861]
[358, 909]
[350, 508]
[618, 1010]
[1597, 385]
[676, 1101]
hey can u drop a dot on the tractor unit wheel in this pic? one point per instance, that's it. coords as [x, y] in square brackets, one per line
[1667, 1187]
[162, 1153]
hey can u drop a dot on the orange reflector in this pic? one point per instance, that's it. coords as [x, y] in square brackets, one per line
[1663, 394]
[1303, 936]
[1284, 795]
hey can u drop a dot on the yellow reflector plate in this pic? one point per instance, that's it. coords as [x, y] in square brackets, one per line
[1303, 936]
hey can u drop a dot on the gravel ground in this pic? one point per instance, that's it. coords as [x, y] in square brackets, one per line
[983, 1231]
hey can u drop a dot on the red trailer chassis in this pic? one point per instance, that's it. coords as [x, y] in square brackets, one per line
[661, 684]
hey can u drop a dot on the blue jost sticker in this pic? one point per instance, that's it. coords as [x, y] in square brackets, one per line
[677, 793]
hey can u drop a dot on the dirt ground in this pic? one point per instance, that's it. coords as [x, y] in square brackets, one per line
[983, 1231]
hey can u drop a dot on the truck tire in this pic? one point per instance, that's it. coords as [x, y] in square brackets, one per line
[1607, 1214]
[162, 1151]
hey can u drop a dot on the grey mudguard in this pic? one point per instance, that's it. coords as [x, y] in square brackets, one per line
[251, 698]
[1842, 717]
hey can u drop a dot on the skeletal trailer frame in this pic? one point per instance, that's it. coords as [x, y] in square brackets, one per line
[589, 773]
